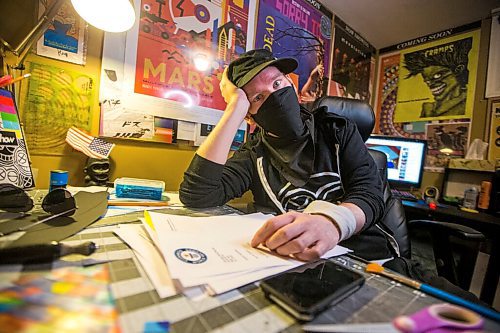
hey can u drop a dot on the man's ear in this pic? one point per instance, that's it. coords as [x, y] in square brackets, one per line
[293, 84]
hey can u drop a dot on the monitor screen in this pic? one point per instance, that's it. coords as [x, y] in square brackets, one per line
[405, 159]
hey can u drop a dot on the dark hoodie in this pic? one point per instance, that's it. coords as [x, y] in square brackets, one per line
[343, 171]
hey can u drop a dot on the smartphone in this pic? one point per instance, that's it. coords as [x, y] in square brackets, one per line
[307, 290]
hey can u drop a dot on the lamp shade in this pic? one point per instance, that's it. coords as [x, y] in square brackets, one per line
[108, 15]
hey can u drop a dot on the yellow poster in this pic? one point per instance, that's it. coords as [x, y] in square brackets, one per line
[437, 80]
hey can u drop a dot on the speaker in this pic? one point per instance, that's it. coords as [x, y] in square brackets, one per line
[430, 194]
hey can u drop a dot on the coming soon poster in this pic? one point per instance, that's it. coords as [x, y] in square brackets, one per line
[437, 80]
[302, 30]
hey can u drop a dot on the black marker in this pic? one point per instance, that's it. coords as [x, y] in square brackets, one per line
[43, 252]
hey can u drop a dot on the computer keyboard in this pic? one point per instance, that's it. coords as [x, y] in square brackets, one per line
[403, 195]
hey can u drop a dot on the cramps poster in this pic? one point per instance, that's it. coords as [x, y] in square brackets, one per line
[183, 46]
[437, 80]
[300, 29]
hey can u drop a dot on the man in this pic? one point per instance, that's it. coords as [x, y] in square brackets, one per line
[313, 168]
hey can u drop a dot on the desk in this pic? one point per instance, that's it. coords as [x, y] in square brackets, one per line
[488, 224]
[241, 310]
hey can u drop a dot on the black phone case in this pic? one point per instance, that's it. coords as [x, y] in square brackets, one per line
[308, 313]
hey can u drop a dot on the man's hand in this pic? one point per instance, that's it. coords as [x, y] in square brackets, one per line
[229, 91]
[306, 237]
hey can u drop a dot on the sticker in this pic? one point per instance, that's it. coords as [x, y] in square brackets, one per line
[191, 256]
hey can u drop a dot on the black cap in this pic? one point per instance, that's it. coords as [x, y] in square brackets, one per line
[251, 63]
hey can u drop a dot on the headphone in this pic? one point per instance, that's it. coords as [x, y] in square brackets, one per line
[430, 194]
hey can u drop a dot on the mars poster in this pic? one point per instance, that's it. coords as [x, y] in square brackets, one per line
[183, 46]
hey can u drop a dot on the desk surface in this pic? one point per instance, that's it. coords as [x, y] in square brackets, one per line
[478, 220]
[241, 310]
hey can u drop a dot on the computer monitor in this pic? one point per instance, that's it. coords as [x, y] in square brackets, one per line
[405, 159]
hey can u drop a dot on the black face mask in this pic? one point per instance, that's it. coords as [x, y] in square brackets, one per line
[292, 151]
[280, 114]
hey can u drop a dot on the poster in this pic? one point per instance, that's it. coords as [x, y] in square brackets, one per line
[302, 30]
[351, 63]
[183, 46]
[14, 159]
[66, 37]
[493, 76]
[494, 146]
[437, 80]
[56, 99]
[385, 104]
[445, 141]
[170, 63]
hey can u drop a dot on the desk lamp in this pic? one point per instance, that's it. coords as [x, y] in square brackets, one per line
[108, 15]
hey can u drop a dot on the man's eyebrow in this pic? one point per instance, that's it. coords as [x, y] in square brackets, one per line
[272, 77]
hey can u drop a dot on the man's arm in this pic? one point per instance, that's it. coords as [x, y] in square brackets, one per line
[218, 143]
[211, 179]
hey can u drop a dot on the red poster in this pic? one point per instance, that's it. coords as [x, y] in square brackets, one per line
[183, 47]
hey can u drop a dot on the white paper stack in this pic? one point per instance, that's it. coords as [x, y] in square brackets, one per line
[196, 255]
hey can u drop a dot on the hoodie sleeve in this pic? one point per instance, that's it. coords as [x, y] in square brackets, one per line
[360, 175]
[209, 184]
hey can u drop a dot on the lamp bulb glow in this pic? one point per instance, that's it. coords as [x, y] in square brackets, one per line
[108, 15]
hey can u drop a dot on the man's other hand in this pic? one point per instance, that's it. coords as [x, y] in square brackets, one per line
[306, 237]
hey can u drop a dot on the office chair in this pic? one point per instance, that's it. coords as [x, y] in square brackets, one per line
[394, 219]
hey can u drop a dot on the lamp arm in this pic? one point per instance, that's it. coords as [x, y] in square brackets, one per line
[24, 46]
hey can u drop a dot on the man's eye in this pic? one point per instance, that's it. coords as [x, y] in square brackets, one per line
[437, 76]
[257, 98]
[277, 84]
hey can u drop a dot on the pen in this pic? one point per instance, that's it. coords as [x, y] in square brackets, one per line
[43, 252]
[11, 81]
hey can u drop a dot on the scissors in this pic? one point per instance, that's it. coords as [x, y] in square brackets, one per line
[437, 318]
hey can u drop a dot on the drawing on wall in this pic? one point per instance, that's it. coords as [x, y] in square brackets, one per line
[56, 99]
[65, 39]
[14, 159]
[171, 64]
[445, 141]
[437, 81]
[302, 31]
[351, 63]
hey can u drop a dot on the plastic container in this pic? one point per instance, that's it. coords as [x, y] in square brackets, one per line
[470, 198]
[139, 188]
[58, 179]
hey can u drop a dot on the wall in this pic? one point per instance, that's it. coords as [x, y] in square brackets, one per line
[168, 162]
[128, 158]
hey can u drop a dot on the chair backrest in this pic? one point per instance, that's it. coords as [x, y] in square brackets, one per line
[394, 220]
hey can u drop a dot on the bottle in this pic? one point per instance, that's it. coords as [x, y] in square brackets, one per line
[484, 196]
[470, 198]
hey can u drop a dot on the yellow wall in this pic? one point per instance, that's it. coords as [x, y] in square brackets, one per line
[129, 158]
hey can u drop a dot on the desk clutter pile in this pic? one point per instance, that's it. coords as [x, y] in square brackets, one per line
[203, 255]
